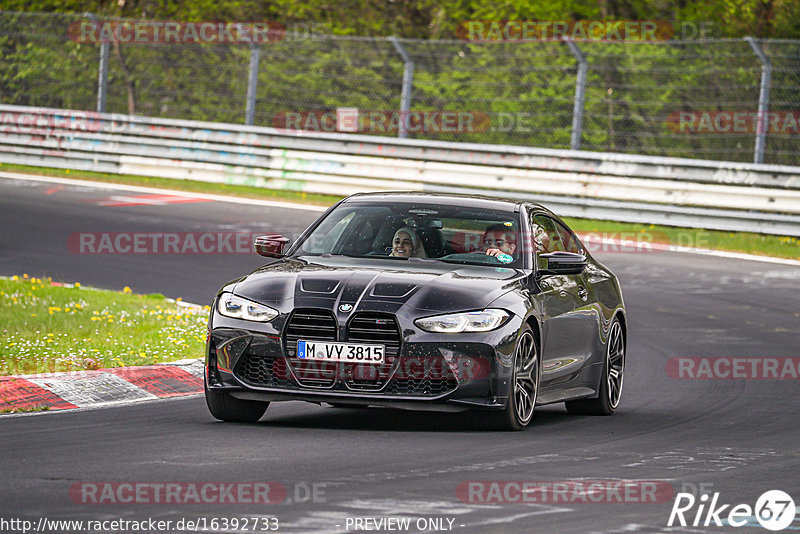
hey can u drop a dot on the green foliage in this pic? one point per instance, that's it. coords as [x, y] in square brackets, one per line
[526, 89]
[429, 19]
[49, 326]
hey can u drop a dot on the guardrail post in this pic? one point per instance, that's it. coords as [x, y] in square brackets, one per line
[408, 82]
[102, 76]
[580, 91]
[252, 84]
[763, 100]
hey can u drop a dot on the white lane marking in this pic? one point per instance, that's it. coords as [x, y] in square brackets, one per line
[195, 366]
[715, 459]
[156, 190]
[90, 388]
[147, 200]
[590, 238]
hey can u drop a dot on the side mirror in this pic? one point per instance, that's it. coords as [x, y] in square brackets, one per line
[563, 263]
[270, 245]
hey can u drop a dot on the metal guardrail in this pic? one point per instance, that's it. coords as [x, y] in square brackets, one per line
[672, 191]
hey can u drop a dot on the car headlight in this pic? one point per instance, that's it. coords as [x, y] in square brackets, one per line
[230, 305]
[453, 323]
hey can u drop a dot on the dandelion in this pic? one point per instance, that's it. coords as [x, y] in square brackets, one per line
[126, 289]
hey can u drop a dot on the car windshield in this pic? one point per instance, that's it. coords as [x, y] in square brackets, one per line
[427, 232]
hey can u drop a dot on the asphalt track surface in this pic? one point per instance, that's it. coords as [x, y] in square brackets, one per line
[733, 436]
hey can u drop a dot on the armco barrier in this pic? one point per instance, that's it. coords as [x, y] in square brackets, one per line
[672, 191]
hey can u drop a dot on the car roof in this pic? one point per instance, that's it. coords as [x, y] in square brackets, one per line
[472, 201]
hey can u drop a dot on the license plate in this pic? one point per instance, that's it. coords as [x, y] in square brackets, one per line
[340, 352]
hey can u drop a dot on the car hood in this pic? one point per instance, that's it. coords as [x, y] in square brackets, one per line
[376, 284]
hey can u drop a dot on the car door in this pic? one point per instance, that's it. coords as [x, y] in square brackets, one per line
[568, 338]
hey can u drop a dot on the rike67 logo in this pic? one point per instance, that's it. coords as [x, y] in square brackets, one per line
[774, 510]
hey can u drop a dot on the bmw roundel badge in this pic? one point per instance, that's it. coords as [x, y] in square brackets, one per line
[345, 308]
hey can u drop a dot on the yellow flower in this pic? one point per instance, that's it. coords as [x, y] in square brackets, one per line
[77, 284]
[126, 289]
[24, 275]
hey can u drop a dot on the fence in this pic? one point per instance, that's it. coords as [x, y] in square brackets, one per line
[736, 100]
[680, 192]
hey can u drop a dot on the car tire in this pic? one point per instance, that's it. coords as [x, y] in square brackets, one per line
[610, 389]
[524, 386]
[230, 409]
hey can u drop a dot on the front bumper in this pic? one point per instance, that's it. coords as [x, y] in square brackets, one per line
[433, 372]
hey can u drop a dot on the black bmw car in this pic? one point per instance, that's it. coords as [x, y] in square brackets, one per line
[426, 302]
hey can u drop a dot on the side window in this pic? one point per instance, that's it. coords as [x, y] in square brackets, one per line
[545, 235]
[331, 231]
[358, 238]
[569, 239]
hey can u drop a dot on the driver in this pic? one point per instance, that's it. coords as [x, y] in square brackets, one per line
[499, 239]
[407, 244]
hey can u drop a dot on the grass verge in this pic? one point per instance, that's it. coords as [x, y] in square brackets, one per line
[749, 243]
[49, 326]
[25, 410]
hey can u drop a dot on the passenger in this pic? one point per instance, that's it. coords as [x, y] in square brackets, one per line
[407, 244]
[499, 239]
[541, 240]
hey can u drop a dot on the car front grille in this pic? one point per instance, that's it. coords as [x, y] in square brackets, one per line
[311, 325]
[420, 375]
[372, 328]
